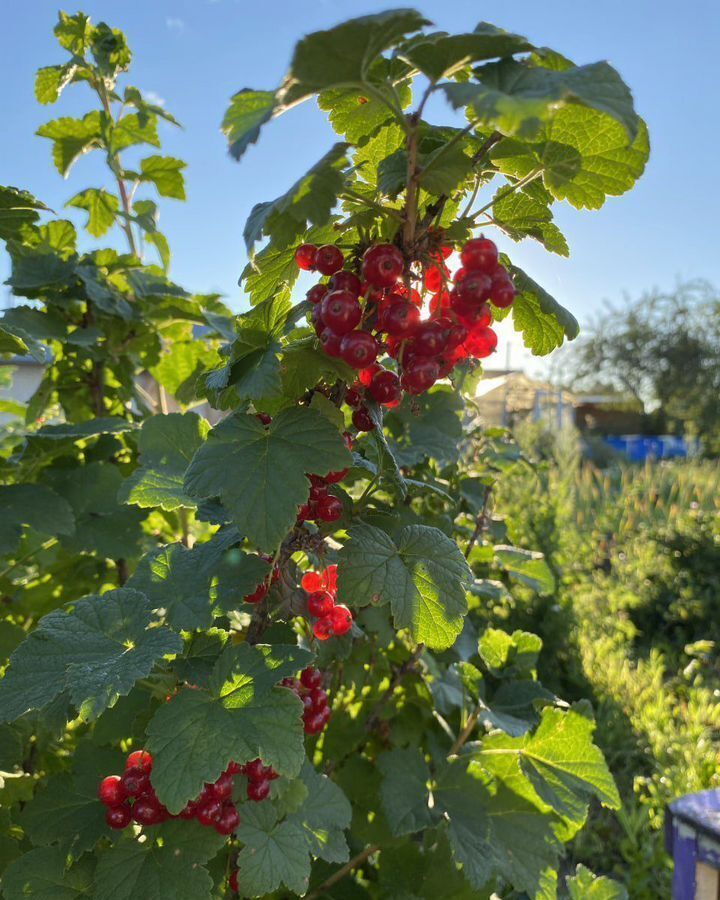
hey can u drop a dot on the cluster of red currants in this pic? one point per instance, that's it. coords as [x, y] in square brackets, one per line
[333, 619]
[321, 505]
[425, 343]
[316, 707]
[130, 796]
[258, 777]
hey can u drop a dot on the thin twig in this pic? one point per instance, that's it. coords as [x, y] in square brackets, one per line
[480, 523]
[466, 732]
[342, 872]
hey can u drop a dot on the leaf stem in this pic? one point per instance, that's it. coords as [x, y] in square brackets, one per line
[502, 194]
[342, 872]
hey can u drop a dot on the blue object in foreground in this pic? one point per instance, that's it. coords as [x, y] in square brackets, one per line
[692, 837]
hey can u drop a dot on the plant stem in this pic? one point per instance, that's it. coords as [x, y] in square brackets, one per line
[342, 872]
[21, 559]
[536, 173]
[467, 731]
[411, 186]
[480, 523]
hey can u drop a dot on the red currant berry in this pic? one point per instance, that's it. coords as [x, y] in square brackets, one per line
[317, 492]
[401, 319]
[322, 629]
[112, 791]
[430, 339]
[258, 790]
[329, 259]
[341, 311]
[234, 768]
[147, 811]
[254, 770]
[479, 255]
[385, 387]
[329, 508]
[352, 397]
[460, 275]
[209, 812]
[135, 781]
[330, 342]
[320, 603]
[258, 594]
[419, 375]
[264, 418]
[456, 335]
[229, 819]
[435, 278]
[140, 758]
[359, 349]
[233, 881]
[318, 698]
[365, 376]
[316, 293]
[342, 620]
[502, 293]
[362, 421]
[336, 477]
[382, 265]
[481, 342]
[329, 579]
[371, 293]
[189, 811]
[119, 817]
[314, 723]
[345, 281]
[311, 582]
[317, 319]
[223, 787]
[475, 288]
[311, 678]
[440, 302]
[305, 256]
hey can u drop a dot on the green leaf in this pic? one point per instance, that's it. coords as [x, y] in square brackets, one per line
[346, 53]
[96, 650]
[72, 138]
[509, 654]
[32, 505]
[248, 111]
[167, 445]
[80, 431]
[305, 364]
[404, 793]
[134, 129]
[101, 208]
[165, 172]
[18, 209]
[268, 467]
[518, 97]
[40, 873]
[561, 762]
[526, 566]
[520, 215]
[167, 865]
[273, 853]
[102, 524]
[586, 157]
[583, 885]
[323, 816]
[309, 201]
[74, 33]
[195, 735]
[356, 116]
[494, 831]
[422, 576]
[441, 55]
[513, 708]
[543, 322]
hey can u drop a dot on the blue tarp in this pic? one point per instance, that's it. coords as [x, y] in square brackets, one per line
[638, 447]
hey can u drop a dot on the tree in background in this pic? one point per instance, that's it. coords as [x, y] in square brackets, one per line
[663, 351]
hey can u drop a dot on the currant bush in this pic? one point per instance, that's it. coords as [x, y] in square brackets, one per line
[207, 594]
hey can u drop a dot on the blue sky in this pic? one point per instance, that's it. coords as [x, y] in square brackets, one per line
[195, 53]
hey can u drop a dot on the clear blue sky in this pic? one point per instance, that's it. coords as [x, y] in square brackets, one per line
[195, 53]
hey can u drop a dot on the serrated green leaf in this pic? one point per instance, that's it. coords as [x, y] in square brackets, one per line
[441, 55]
[18, 209]
[167, 865]
[102, 524]
[248, 111]
[41, 874]
[495, 831]
[165, 172]
[323, 816]
[32, 505]
[167, 445]
[80, 431]
[509, 654]
[357, 117]
[273, 853]
[543, 322]
[304, 364]
[586, 157]
[583, 885]
[72, 138]
[95, 650]
[520, 215]
[404, 793]
[101, 208]
[242, 716]
[181, 367]
[526, 566]
[346, 53]
[561, 762]
[310, 201]
[422, 576]
[134, 129]
[268, 467]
